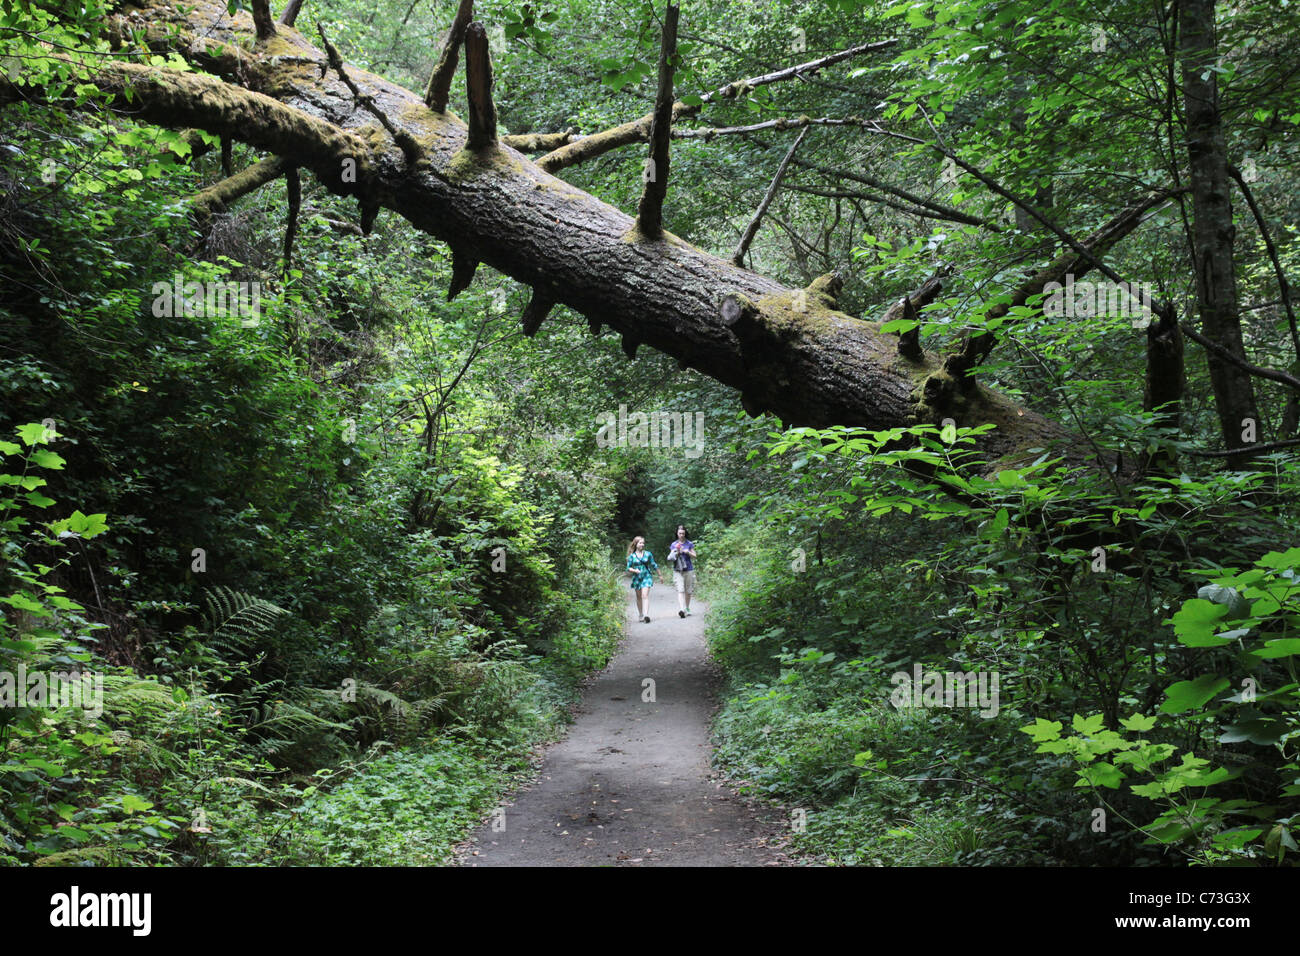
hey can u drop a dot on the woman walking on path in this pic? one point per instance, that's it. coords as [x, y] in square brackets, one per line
[642, 564]
[681, 555]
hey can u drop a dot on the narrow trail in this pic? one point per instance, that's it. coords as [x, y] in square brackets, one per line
[631, 783]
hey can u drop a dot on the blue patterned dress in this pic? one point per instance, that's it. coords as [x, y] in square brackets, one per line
[642, 567]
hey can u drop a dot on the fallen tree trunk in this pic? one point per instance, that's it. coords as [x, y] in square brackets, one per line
[788, 351]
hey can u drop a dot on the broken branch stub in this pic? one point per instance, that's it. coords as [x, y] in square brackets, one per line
[263, 23]
[478, 88]
[439, 89]
[535, 313]
[650, 211]
[289, 16]
[463, 268]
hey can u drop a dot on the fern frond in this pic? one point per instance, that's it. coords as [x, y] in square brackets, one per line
[237, 620]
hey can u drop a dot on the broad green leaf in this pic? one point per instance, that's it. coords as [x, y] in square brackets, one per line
[1087, 725]
[1195, 623]
[132, 804]
[1281, 647]
[1230, 598]
[1138, 722]
[1100, 774]
[33, 433]
[1192, 694]
[1043, 730]
[48, 459]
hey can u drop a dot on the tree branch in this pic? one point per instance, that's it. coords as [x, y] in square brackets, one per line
[410, 149]
[650, 211]
[738, 257]
[293, 193]
[541, 142]
[1264, 233]
[1247, 451]
[1290, 381]
[638, 131]
[1071, 263]
[943, 210]
[218, 196]
[478, 87]
[262, 21]
[708, 132]
[439, 88]
[289, 16]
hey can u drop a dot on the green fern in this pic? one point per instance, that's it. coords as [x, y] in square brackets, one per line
[238, 621]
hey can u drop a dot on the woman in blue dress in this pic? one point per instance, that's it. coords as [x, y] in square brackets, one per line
[642, 565]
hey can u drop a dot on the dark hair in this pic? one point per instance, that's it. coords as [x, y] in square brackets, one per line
[682, 527]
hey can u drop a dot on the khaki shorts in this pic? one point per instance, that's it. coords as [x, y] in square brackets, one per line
[684, 582]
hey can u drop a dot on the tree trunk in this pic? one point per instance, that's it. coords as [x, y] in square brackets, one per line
[787, 351]
[1213, 231]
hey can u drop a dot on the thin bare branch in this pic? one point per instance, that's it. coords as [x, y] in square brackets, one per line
[738, 257]
[638, 131]
[410, 149]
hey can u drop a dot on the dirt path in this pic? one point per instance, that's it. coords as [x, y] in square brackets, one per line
[631, 783]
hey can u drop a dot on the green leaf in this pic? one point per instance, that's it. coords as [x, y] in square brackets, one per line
[133, 804]
[1042, 730]
[32, 433]
[1281, 647]
[1138, 723]
[1192, 694]
[1195, 623]
[48, 459]
[1260, 731]
[22, 602]
[1281, 559]
[87, 525]
[1231, 598]
[1100, 774]
[1087, 725]
[898, 326]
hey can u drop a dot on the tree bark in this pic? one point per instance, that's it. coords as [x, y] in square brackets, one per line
[1213, 231]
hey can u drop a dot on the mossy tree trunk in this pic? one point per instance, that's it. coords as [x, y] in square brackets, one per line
[787, 351]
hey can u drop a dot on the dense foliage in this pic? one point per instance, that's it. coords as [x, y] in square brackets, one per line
[342, 565]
